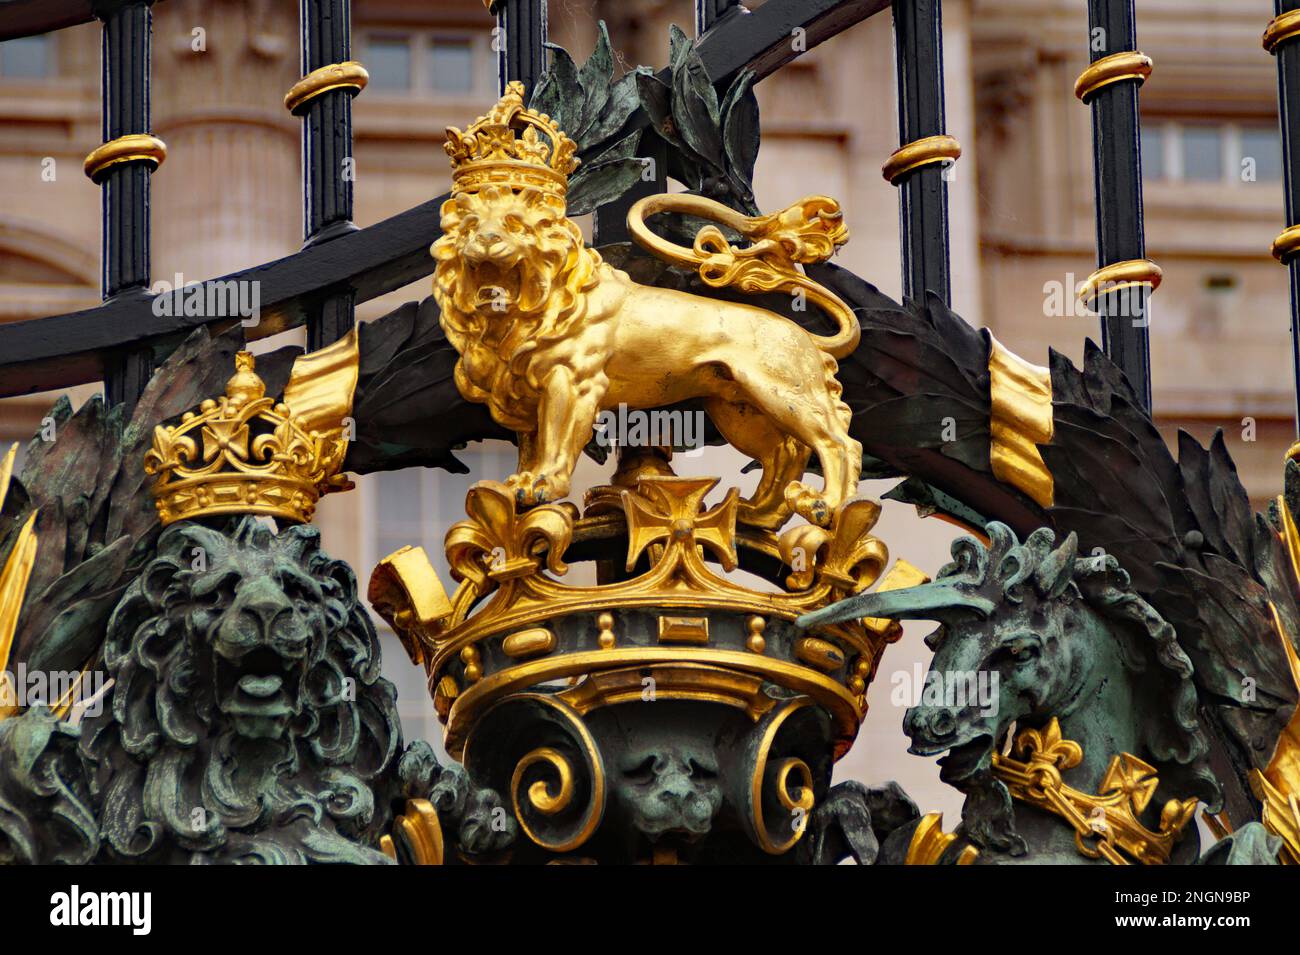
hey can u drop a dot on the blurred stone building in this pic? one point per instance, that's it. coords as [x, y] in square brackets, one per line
[228, 196]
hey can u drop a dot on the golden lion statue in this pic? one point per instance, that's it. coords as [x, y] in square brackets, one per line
[550, 335]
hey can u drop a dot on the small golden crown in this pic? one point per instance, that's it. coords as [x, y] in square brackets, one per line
[246, 453]
[490, 152]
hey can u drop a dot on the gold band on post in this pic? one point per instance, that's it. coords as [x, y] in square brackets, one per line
[350, 75]
[1119, 276]
[1129, 65]
[131, 148]
[932, 149]
[1286, 244]
[1280, 29]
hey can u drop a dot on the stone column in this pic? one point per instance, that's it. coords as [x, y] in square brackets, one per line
[229, 196]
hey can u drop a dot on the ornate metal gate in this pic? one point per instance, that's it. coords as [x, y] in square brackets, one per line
[1139, 620]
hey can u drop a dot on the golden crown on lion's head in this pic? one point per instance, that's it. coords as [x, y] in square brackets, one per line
[492, 151]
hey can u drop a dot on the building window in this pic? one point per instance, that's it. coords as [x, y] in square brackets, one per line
[388, 61]
[1224, 153]
[1203, 153]
[27, 57]
[451, 66]
[1262, 145]
[1154, 164]
[424, 63]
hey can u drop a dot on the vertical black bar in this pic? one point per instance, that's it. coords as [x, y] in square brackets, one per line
[520, 42]
[923, 192]
[709, 12]
[124, 85]
[326, 154]
[1288, 98]
[1117, 168]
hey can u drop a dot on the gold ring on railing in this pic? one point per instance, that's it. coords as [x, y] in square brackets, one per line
[129, 148]
[1287, 243]
[1280, 29]
[922, 152]
[350, 75]
[1119, 276]
[1129, 65]
[1293, 452]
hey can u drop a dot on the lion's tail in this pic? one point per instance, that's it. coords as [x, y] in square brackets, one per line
[807, 232]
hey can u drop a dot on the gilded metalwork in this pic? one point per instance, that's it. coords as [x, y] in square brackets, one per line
[690, 630]
[797, 801]
[489, 153]
[528, 643]
[606, 638]
[807, 232]
[1020, 420]
[695, 682]
[923, 152]
[820, 654]
[1127, 65]
[550, 336]
[1277, 787]
[1280, 29]
[1118, 277]
[1286, 244]
[420, 832]
[247, 453]
[672, 508]
[13, 587]
[930, 842]
[321, 387]
[134, 147]
[545, 785]
[405, 590]
[1106, 825]
[349, 75]
[540, 796]
[499, 554]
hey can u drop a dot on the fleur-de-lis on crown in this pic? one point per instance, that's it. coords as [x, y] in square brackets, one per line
[498, 543]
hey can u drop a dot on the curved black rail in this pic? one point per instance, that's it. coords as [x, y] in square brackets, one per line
[76, 347]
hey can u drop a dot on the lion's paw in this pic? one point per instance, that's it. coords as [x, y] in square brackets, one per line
[808, 504]
[531, 489]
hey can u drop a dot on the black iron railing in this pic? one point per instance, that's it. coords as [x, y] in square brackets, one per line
[1280, 39]
[1119, 288]
[919, 167]
[340, 266]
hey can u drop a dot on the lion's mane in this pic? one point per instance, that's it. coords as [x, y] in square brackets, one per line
[173, 779]
[558, 273]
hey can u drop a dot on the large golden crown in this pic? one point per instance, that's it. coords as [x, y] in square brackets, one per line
[665, 604]
[490, 151]
[248, 453]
